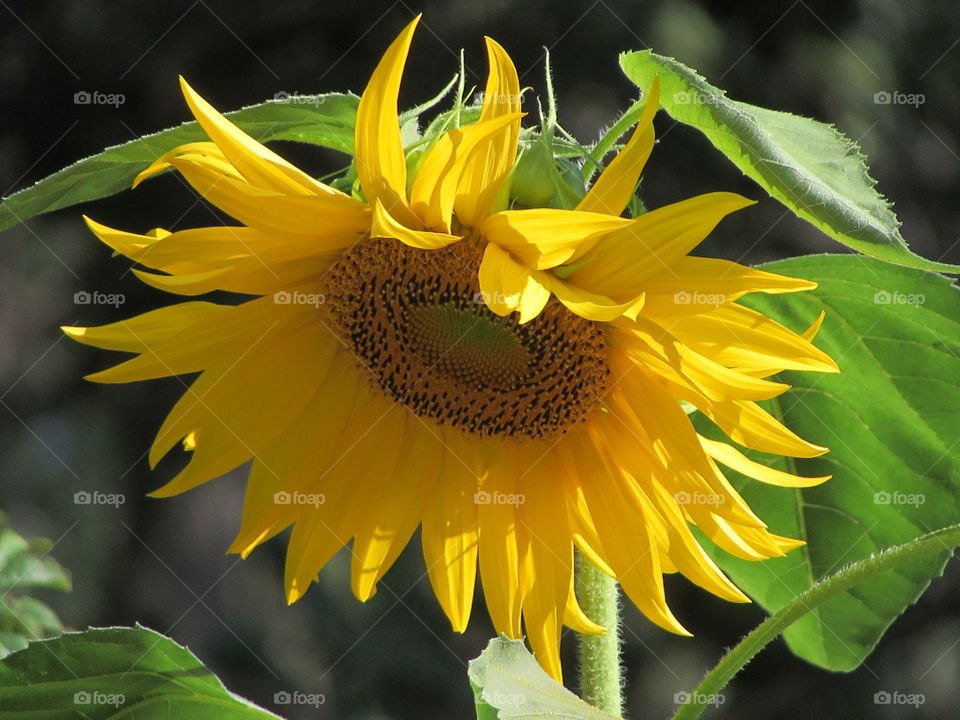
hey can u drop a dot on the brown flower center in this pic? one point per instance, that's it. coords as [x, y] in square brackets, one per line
[417, 323]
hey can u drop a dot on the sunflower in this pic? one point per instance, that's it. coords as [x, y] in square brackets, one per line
[417, 354]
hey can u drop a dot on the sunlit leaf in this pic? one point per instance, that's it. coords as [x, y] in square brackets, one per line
[810, 167]
[325, 120]
[891, 421]
[113, 673]
[509, 683]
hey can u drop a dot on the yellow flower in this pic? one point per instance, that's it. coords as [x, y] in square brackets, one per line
[507, 380]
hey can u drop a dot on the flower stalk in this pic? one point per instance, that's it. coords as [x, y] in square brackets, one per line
[599, 655]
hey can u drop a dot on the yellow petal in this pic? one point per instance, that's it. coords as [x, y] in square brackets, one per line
[381, 164]
[396, 511]
[547, 562]
[734, 335]
[251, 277]
[612, 191]
[499, 552]
[450, 535]
[749, 424]
[219, 337]
[545, 238]
[296, 464]
[438, 182]
[259, 165]
[660, 351]
[586, 304]
[266, 210]
[385, 226]
[139, 333]
[207, 150]
[620, 262]
[486, 172]
[506, 286]
[279, 376]
[628, 546]
[683, 550]
[733, 458]
[695, 285]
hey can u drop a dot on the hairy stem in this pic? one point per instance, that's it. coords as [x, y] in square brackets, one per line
[600, 671]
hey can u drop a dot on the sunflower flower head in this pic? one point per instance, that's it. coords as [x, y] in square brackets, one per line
[421, 355]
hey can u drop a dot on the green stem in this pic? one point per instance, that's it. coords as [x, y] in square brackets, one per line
[718, 678]
[600, 671]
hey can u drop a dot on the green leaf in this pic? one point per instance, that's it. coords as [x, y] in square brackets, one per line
[326, 120]
[890, 420]
[810, 167]
[25, 565]
[109, 673]
[509, 683]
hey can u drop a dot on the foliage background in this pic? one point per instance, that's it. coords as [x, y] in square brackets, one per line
[161, 562]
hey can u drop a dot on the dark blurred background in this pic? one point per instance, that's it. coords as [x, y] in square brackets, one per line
[162, 562]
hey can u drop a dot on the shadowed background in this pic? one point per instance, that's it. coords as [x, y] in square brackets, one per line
[162, 562]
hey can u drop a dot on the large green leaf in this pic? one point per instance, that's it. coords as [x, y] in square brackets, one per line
[326, 120]
[509, 683]
[26, 566]
[115, 673]
[891, 421]
[810, 167]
